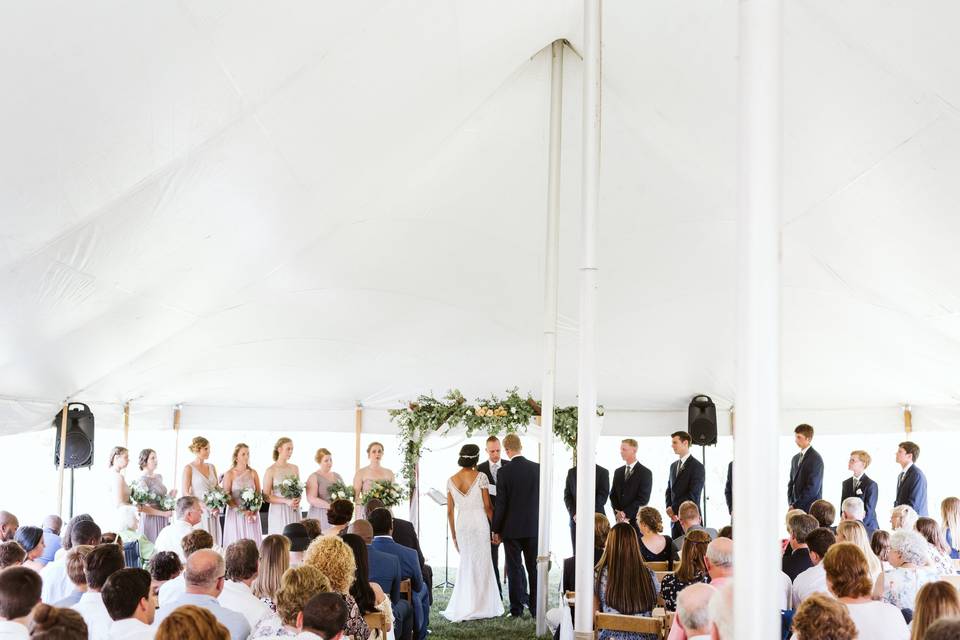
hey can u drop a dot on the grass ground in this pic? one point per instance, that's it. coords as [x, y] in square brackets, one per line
[491, 629]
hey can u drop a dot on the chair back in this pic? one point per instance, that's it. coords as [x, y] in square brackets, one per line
[659, 566]
[377, 621]
[131, 555]
[406, 591]
[628, 624]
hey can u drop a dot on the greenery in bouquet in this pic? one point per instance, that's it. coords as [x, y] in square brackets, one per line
[139, 494]
[166, 503]
[390, 493]
[291, 487]
[338, 490]
[251, 500]
[215, 499]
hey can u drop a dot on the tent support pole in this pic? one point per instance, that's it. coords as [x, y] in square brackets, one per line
[126, 425]
[550, 311]
[758, 346]
[908, 419]
[357, 429]
[586, 384]
[176, 446]
[63, 457]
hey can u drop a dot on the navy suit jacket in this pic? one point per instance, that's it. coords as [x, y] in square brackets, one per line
[913, 491]
[806, 480]
[516, 509]
[405, 534]
[728, 490]
[686, 486]
[409, 563]
[630, 496]
[867, 491]
[602, 491]
[385, 571]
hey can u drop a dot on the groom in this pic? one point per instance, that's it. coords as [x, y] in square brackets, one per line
[515, 522]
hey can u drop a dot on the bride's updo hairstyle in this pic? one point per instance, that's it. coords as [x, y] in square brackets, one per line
[469, 456]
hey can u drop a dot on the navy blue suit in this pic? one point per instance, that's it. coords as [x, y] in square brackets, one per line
[866, 491]
[516, 515]
[728, 490]
[806, 480]
[912, 490]
[385, 571]
[683, 486]
[601, 493]
[409, 568]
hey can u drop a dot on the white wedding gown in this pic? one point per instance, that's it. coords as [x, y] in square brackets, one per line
[475, 593]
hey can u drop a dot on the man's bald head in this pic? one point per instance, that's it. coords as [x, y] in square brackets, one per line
[693, 608]
[8, 525]
[720, 558]
[363, 529]
[53, 523]
[204, 572]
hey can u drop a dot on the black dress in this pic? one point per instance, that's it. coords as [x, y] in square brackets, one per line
[667, 554]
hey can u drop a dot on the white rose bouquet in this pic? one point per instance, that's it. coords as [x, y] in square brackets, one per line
[390, 493]
[291, 487]
[251, 500]
[215, 499]
[340, 491]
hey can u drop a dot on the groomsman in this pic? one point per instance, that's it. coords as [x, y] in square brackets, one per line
[860, 486]
[685, 480]
[911, 483]
[602, 491]
[632, 484]
[491, 467]
[806, 471]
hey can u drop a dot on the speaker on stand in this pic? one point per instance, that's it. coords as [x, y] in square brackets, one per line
[702, 427]
[78, 443]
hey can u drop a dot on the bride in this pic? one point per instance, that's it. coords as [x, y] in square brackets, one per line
[475, 594]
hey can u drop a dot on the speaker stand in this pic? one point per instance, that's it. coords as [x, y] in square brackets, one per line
[72, 470]
[703, 511]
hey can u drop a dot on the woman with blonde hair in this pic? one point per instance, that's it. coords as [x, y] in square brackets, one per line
[274, 561]
[622, 582]
[366, 476]
[692, 569]
[199, 478]
[334, 558]
[939, 551]
[935, 600]
[848, 579]
[654, 546]
[854, 531]
[318, 487]
[297, 585]
[239, 524]
[950, 512]
[191, 621]
[282, 510]
[117, 461]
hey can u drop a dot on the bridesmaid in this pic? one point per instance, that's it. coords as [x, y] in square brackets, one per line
[118, 460]
[153, 519]
[198, 478]
[318, 487]
[282, 510]
[238, 524]
[367, 475]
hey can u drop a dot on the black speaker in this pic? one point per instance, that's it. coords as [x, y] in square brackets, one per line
[702, 420]
[79, 441]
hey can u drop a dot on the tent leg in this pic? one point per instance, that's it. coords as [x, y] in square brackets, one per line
[176, 447]
[63, 457]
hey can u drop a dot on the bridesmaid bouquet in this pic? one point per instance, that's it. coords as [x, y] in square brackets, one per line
[291, 487]
[166, 503]
[215, 499]
[139, 495]
[251, 500]
[390, 493]
[340, 491]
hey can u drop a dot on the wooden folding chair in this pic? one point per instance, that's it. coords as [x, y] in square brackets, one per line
[629, 624]
[406, 591]
[377, 621]
[658, 566]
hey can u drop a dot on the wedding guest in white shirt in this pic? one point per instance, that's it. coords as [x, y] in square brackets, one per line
[848, 578]
[56, 582]
[19, 594]
[100, 564]
[243, 561]
[189, 513]
[131, 603]
[814, 579]
[192, 542]
[56, 623]
[693, 609]
[323, 618]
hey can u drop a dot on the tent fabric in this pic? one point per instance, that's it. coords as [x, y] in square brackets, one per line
[270, 213]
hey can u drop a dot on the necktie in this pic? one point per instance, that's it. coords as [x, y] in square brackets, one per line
[493, 471]
[900, 479]
[627, 473]
[856, 484]
[680, 467]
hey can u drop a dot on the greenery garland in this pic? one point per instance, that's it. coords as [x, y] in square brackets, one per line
[492, 416]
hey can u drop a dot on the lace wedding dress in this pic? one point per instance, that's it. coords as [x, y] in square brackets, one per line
[475, 593]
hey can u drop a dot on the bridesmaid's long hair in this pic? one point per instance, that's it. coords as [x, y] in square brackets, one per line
[116, 451]
[144, 458]
[630, 589]
[276, 447]
[236, 452]
[360, 589]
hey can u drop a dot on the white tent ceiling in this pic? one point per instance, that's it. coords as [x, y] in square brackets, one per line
[263, 209]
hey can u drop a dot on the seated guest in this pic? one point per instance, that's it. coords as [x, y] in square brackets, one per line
[719, 561]
[188, 515]
[943, 629]
[854, 531]
[274, 562]
[384, 569]
[312, 525]
[56, 623]
[909, 558]
[601, 529]
[404, 534]
[848, 578]
[8, 526]
[726, 532]
[382, 522]
[950, 512]
[191, 622]
[204, 575]
[334, 559]
[935, 600]
[852, 510]
[339, 516]
[903, 517]
[192, 542]
[820, 617]
[52, 543]
[296, 533]
[128, 519]
[11, 554]
[689, 519]
[939, 551]
[101, 563]
[721, 613]
[880, 543]
[31, 539]
[369, 596]
[164, 566]
[19, 594]
[76, 571]
[796, 559]
[131, 603]
[692, 569]
[814, 579]
[297, 585]
[242, 561]
[785, 543]
[56, 583]
[654, 546]
[624, 584]
[323, 617]
[693, 610]
[824, 512]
